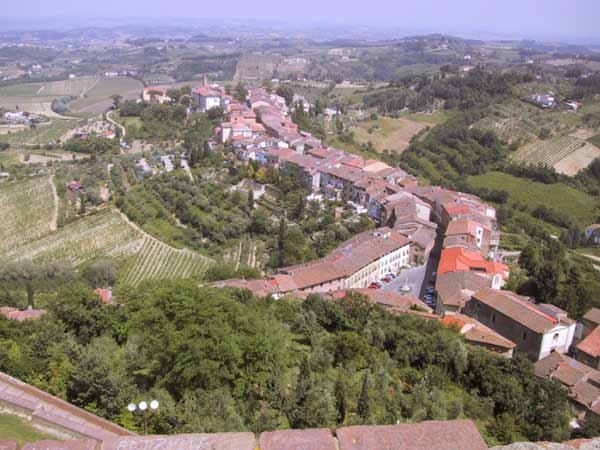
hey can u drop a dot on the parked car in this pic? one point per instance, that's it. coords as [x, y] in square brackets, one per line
[433, 275]
[375, 285]
[386, 279]
[391, 275]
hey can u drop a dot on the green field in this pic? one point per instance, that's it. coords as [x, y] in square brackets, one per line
[595, 140]
[560, 197]
[28, 209]
[15, 428]
[388, 133]
[42, 134]
[98, 100]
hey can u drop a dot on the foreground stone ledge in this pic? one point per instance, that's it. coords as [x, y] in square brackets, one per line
[217, 441]
[312, 439]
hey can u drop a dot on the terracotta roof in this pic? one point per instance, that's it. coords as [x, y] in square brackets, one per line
[582, 381]
[162, 90]
[518, 308]
[591, 344]
[429, 435]
[387, 299]
[463, 226]
[476, 332]
[315, 439]
[347, 259]
[20, 316]
[458, 258]
[104, 294]
[593, 315]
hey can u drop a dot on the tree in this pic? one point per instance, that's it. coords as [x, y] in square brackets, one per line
[32, 276]
[363, 407]
[240, 93]
[285, 91]
[250, 199]
[101, 273]
[99, 381]
[281, 241]
[116, 98]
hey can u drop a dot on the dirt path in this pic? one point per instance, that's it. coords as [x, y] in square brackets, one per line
[54, 224]
[116, 124]
[592, 257]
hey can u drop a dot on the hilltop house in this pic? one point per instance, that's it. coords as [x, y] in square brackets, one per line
[155, 95]
[536, 329]
[209, 97]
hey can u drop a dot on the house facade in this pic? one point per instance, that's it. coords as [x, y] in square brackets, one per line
[536, 329]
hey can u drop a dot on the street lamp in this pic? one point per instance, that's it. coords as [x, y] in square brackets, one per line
[143, 406]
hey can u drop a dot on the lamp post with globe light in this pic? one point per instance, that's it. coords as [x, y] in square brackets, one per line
[143, 406]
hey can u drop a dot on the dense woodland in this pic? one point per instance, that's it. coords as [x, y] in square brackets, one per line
[220, 360]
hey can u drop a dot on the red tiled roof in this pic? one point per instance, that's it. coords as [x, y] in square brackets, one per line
[463, 226]
[518, 308]
[457, 259]
[591, 344]
[104, 294]
[477, 332]
[387, 299]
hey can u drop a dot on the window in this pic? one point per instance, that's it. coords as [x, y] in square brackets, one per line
[524, 335]
[555, 337]
[493, 318]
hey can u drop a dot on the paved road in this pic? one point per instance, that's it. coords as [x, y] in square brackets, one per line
[419, 277]
[414, 277]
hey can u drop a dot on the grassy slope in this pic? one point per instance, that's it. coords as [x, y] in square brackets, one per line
[15, 428]
[392, 134]
[558, 196]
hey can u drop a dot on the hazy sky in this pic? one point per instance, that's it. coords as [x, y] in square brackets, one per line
[541, 18]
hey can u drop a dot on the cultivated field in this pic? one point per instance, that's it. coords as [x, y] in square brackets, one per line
[579, 159]
[567, 154]
[93, 94]
[44, 133]
[515, 120]
[28, 212]
[37, 97]
[247, 252]
[98, 100]
[156, 260]
[392, 134]
[105, 234]
[560, 197]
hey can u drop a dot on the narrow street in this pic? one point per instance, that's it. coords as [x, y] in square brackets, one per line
[418, 278]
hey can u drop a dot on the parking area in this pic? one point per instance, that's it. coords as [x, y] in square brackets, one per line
[419, 279]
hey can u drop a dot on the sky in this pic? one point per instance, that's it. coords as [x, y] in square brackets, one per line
[577, 19]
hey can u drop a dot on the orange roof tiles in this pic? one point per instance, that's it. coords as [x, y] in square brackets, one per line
[591, 344]
[457, 258]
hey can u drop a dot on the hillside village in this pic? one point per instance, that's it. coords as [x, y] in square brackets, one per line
[238, 244]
